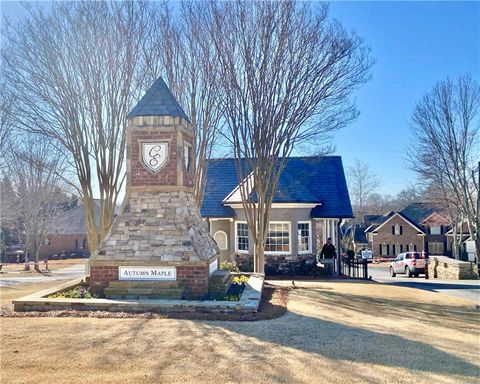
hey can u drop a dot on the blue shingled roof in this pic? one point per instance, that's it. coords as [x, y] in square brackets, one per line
[318, 179]
[158, 101]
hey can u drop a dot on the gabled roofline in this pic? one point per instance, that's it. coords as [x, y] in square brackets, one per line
[404, 218]
[434, 213]
[450, 231]
[247, 180]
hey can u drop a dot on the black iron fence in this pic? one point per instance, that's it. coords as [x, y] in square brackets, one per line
[356, 269]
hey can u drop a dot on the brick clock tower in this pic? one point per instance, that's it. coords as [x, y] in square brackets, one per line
[159, 246]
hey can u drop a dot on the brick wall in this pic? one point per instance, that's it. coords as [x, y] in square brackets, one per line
[396, 243]
[60, 243]
[100, 277]
[194, 279]
[140, 175]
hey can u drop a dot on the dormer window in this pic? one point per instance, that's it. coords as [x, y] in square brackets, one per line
[436, 230]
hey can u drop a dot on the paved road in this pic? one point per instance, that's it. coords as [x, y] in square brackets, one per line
[465, 289]
[68, 273]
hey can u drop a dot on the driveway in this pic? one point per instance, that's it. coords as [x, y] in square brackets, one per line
[465, 289]
[68, 273]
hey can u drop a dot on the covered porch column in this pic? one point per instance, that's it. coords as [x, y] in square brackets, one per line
[329, 227]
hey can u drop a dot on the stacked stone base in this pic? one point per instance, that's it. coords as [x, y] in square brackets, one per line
[220, 282]
[144, 290]
[441, 267]
[157, 229]
[193, 279]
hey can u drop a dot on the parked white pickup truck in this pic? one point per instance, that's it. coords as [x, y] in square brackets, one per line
[409, 263]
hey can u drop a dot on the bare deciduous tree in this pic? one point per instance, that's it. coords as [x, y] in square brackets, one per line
[35, 170]
[184, 54]
[446, 126]
[6, 107]
[286, 74]
[74, 71]
[362, 182]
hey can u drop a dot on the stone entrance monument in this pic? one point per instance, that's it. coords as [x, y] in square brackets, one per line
[158, 247]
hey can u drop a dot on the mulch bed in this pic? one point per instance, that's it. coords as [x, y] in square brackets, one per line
[273, 305]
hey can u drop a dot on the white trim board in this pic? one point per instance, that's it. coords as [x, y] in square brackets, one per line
[277, 205]
[406, 221]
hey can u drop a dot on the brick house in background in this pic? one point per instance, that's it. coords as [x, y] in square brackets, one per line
[68, 233]
[434, 223]
[419, 227]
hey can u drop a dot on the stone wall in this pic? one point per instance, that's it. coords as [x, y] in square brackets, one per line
[157, 229]
[442, 267]
[39, 301]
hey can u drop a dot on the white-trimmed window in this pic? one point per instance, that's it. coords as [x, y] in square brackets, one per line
[241, 236]
[220, 238]
[397, 229]
[278, 238]
[304, 237]
[436, 230]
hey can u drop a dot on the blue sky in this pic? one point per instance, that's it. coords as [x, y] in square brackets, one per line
[414, 44]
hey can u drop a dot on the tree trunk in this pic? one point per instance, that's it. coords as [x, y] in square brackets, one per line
[27, 262]
[37, 259]
[477, 234]
[259, 261]
[92, 230]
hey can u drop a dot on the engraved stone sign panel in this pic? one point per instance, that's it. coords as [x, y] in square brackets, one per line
[147, 273]
[154, 155]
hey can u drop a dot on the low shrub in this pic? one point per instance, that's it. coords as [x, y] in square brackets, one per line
[236, 289]
[298, 268]
[80, 292]
[229, 266]
[244, 263]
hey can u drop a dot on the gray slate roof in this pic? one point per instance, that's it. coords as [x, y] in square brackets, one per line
[158, 101]
[387, 216]
[417, 212]
[72, 222]
[377, 220]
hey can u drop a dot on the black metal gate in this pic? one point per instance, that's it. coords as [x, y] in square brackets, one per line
[356, 269]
